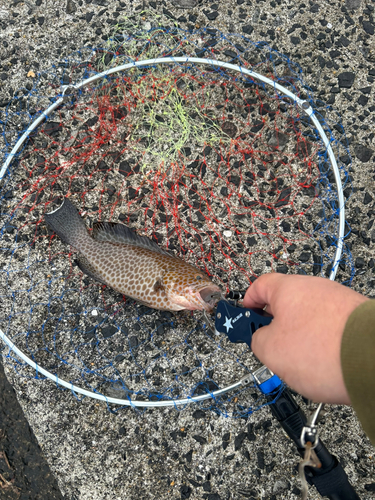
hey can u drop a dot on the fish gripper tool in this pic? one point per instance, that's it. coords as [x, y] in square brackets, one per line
[239, 323]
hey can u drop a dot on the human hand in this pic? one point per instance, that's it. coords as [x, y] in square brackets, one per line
[302, 344]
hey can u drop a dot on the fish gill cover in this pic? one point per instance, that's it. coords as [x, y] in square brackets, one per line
[221, 169]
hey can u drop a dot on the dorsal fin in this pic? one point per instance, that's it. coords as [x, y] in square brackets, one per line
[119, 233]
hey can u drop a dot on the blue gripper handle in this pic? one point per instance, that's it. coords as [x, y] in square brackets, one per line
[239, 323]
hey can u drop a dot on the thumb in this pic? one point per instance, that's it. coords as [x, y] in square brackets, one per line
[259, 293]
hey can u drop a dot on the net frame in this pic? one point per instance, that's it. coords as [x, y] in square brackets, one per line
[305, 107]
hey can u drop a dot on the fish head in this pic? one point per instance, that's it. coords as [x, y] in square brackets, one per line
[191, 289]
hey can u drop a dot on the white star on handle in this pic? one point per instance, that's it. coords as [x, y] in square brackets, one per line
[228, 323]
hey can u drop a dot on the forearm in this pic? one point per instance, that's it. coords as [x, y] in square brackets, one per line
[358, 364]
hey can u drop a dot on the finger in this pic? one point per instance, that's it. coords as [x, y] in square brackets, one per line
[261, 344]
[259, 293]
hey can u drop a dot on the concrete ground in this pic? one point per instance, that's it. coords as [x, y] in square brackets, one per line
[95, 454]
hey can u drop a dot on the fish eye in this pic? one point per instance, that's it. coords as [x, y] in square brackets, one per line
[198, 277]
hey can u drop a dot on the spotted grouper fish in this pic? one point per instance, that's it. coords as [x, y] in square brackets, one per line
[133, 265]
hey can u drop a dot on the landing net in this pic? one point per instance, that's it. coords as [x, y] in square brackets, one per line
[209, 144]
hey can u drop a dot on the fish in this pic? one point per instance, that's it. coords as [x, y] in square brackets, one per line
[133, 265]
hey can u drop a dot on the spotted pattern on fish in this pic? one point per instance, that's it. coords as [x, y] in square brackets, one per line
[134, 265]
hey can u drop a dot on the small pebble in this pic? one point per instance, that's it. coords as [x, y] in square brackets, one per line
[70, 7]
[227, 234]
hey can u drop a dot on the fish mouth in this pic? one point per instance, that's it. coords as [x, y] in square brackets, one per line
[210, 296]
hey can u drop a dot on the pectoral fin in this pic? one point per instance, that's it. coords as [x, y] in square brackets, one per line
[158, 285]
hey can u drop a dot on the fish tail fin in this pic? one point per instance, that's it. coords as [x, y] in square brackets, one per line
[68, 224]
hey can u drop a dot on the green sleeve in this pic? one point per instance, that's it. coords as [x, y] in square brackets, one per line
[358, 364]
